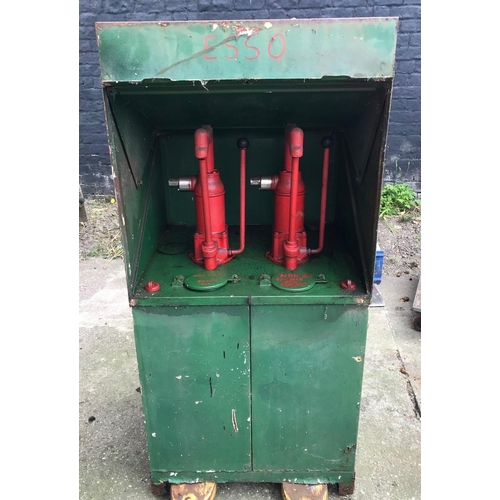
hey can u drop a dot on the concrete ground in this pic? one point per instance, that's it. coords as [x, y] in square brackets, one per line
[113, 456]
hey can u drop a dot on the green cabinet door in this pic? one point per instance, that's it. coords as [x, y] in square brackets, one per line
[194, 367]
[307, 366]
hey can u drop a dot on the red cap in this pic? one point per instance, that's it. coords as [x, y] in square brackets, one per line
[348, 285]
[201, 144]
[152, 286]
[296, 142]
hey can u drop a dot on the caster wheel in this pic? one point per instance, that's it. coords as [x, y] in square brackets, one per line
[416, 322]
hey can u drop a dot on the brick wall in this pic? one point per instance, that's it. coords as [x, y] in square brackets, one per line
[403, 147]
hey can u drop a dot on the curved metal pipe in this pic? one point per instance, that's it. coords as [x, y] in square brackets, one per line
[326, 142]
[243, 145]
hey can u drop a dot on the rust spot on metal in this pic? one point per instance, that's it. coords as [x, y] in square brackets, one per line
[349, 449]
[233, 420]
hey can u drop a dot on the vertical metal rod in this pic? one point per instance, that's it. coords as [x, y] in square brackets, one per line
[243, 163]
[210, 157]
[324, 186]
[293, 201]
[243, 145]
[296, 145]
[206, 201]
[288, 156]
[202, 151]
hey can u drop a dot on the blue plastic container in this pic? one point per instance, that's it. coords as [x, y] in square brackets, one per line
[379, 264]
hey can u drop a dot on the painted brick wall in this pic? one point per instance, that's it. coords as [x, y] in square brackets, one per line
[403, 147]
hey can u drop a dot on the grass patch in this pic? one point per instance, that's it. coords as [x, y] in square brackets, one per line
[399, 199]
[100, 236]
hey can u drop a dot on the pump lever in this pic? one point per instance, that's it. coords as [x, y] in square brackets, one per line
[291, 246]
[203, 151]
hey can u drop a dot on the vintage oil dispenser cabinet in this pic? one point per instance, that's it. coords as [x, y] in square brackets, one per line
[247, 161]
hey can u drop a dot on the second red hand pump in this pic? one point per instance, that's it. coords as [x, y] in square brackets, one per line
[289, 246]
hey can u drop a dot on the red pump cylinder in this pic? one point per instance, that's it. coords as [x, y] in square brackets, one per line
[211, 242]
[289, 245]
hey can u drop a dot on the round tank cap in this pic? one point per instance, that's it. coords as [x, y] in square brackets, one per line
[205, 281]
[293, 282]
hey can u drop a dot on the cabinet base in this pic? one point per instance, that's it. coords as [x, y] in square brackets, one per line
[289, 491]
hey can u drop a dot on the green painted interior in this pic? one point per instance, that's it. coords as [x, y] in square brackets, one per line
[152, 130]
[335, 263]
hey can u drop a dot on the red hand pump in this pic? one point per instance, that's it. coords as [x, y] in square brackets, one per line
[211, 242]
[289, 245]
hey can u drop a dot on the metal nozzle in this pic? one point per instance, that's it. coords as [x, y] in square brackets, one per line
[183, 183]
[264, 182]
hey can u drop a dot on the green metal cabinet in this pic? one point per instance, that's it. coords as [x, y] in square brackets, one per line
[306, 382]
[249, 382]
[194, 365]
